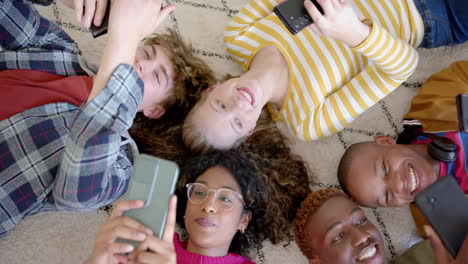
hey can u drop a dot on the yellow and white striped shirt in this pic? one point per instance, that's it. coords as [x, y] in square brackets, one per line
[330, 83]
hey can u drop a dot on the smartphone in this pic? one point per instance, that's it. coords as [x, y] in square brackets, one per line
[102, 29]
[445, 208]
[294, 15]
[153, 181]
[462, 111]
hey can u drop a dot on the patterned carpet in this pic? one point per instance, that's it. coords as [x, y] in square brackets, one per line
[67, 237]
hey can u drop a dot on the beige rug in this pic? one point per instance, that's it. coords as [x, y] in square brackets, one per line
[67, 237]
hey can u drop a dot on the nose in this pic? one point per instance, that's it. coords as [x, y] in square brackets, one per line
[359, 236]
[209, 204]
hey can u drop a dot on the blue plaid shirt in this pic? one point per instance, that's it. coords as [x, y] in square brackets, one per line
[60, 156]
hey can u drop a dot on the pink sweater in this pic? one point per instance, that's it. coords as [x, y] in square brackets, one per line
[185, 257]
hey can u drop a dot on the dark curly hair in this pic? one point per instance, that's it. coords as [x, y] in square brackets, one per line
[308, 207]
[253, 188]
[346, 160]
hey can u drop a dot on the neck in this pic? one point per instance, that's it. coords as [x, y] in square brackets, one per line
[209, 252]
[271, 69]
[422, 149]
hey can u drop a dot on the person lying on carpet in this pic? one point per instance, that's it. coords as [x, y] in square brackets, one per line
[64, 143]
[321, 79]
[331, 228]
[225, 205]
[395, 171]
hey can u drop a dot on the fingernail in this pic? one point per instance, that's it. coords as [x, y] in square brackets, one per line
[129, 248]
[149, 231]
[141, 236]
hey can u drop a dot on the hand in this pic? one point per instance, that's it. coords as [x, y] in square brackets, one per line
[441, 254]
[135, 19]
[155, 250]
[106, 249]
[339, 21]
[94, 11]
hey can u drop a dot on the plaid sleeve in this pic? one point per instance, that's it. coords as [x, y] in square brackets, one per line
[93, 172]
[33, 42]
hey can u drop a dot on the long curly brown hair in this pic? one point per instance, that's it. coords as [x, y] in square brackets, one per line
[192, 76]
[260, 195]
[308, 207]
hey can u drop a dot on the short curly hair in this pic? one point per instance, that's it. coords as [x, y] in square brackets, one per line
[308, 207]
[255, 185]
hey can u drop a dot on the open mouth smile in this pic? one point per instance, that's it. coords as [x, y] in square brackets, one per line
[414, 180]
[368, 253]
[248, 95]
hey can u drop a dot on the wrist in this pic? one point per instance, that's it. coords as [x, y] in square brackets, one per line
[359, 35]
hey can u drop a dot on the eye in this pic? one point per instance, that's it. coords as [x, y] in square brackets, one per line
[200, 193]
[156, 75]
[146, 54]
[225, 199]
[362, 221]
[385, 170]
[338, 237]
[238, 123]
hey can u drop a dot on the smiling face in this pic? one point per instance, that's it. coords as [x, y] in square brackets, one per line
[155, 68]
[385, 174]
[208, 225]
[229, 112]
[340, 232]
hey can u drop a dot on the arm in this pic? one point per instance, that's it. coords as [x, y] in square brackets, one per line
[441, 254]
[93, 171]
[250, 14]
[391, 61]
[21, 27]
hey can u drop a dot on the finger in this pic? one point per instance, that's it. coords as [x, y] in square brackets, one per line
[170, 220]
[337, 5]
[119, 248]
[78, 6]
[313, 11]
[148, 258]
[315, 29]
[121, 258]
[165, 12]
[126, 232]
[125, 205]
[440, 253]
[134, 224]
[155, 244]
[100, 12]
[327, 6]
[89, 9]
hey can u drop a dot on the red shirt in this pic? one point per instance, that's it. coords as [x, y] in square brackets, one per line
[24, 89]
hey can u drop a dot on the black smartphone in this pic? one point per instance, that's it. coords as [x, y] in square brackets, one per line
[153, 181]
[102, 29]
[462, 111]
[445, 207]
[294, 15]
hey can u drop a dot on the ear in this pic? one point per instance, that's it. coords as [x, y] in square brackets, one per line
[384, 140]
[245, 220]
[156, 112]
[211, 88]
[250, 132]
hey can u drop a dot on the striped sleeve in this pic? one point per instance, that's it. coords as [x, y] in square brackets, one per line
[391, 62]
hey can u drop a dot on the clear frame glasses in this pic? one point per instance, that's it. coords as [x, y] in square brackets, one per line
[225, 199]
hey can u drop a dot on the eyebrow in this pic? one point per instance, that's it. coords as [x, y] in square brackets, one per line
[153, 48]
[355, 210]
[222, 187]
[163, 69]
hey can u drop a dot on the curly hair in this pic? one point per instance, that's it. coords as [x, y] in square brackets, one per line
[308, 207]
[192, 76]
[267, 221]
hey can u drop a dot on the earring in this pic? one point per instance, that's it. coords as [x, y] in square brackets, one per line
[242, 230]
[184, 216]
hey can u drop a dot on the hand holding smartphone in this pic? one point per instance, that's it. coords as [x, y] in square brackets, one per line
[445, 208]
[294, 15]
[153, 181]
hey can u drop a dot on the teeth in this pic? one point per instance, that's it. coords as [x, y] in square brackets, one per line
[369, 253]
[414, 179]
[246, 95]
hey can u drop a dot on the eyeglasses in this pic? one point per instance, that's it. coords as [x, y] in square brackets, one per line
[225, 199]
